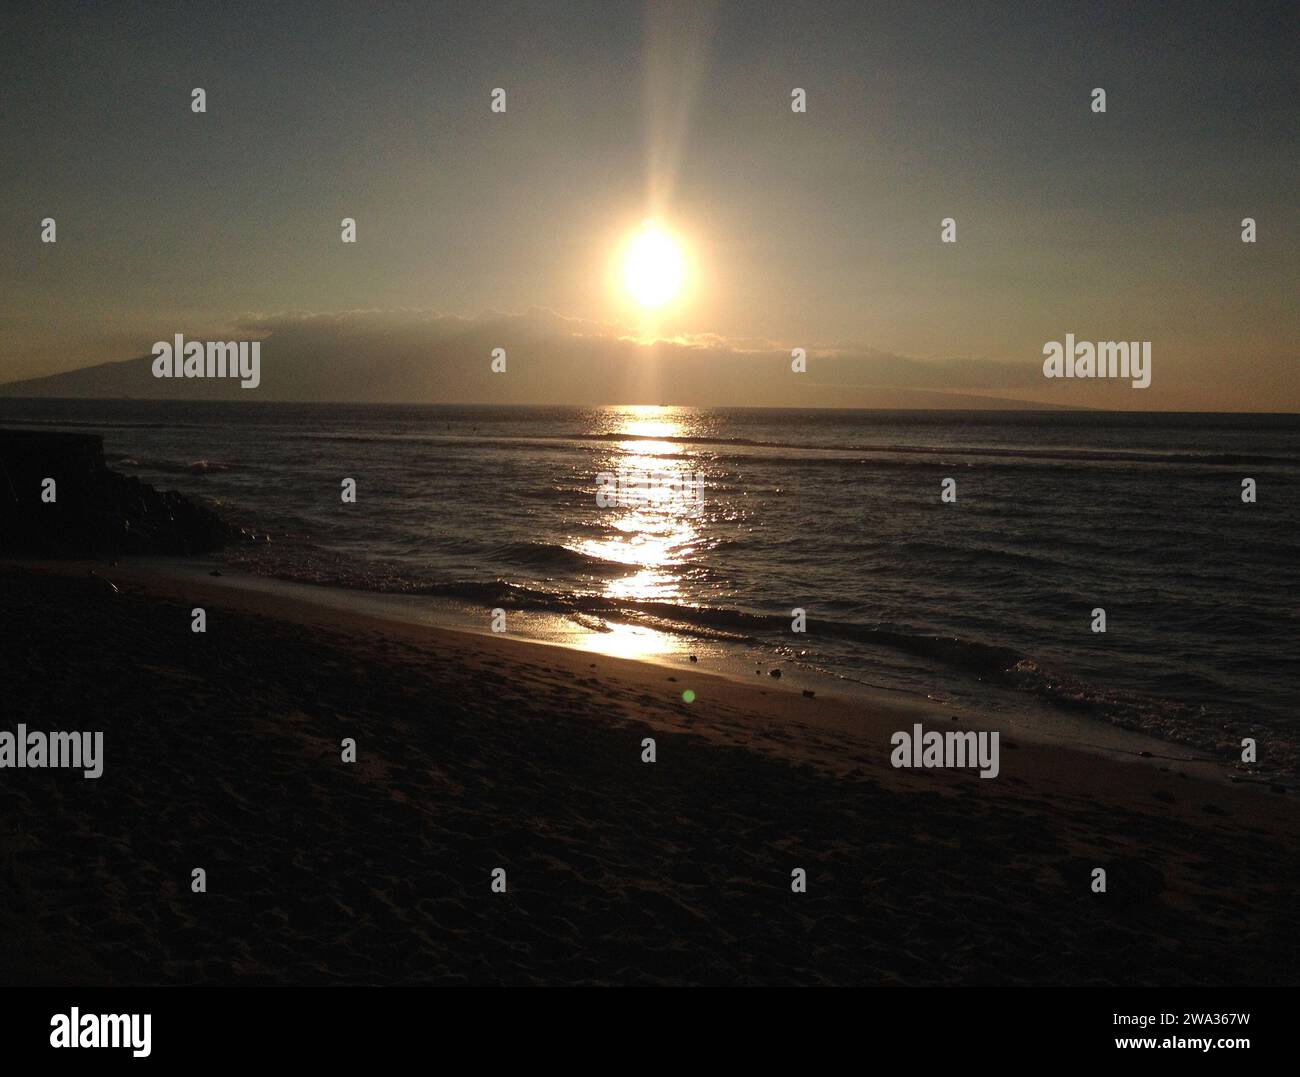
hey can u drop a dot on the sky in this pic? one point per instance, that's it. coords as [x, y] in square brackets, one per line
[817, 230]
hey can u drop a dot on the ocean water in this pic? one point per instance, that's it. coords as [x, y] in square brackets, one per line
[984, 604]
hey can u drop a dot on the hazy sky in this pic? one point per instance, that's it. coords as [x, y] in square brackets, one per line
[818, 230]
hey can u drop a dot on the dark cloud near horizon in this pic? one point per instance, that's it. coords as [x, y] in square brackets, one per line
[418, 356]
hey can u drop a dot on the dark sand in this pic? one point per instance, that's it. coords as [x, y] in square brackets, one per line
[222, 752]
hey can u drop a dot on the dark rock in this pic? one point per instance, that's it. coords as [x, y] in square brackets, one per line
[775, 673]
[95, 511]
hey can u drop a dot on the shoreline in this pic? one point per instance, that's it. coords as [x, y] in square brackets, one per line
[974, 674]
[1087, 734]
[222, 751]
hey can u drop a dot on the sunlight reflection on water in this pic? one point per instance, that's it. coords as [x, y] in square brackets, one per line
[656, 537]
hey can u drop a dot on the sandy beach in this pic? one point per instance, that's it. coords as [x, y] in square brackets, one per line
[222, 751]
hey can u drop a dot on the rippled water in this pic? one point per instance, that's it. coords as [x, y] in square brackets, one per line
[986, 602]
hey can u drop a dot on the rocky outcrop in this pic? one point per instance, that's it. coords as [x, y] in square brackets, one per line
[57, 499]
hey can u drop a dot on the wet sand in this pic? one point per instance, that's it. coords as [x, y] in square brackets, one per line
[222, 751]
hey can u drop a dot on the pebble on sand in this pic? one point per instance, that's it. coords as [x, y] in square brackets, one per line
[109, 585]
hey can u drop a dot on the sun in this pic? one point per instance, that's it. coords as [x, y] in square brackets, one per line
[653, 268]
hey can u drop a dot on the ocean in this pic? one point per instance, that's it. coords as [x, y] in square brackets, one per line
[983, 602]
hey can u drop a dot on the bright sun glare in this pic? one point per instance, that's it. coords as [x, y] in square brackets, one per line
[653, 268]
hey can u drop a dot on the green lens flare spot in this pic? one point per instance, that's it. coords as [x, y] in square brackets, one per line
[689, 696]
